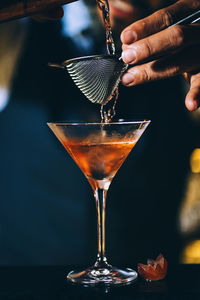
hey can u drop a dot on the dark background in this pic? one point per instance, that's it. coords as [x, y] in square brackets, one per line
[47, 210]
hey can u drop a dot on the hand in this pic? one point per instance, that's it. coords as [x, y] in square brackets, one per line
[179, 47]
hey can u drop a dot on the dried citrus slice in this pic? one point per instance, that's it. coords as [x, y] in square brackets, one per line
[154, 270]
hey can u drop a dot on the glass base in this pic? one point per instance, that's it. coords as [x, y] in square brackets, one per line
[97, 276]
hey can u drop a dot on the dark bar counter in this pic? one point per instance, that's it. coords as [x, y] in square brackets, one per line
[24, 283]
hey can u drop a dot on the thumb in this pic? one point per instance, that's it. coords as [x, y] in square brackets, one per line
[192, 100]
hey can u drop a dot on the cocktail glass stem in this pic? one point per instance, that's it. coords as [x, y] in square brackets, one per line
[100, 197]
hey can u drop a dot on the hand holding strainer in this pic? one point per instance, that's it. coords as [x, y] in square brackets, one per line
[98, 76]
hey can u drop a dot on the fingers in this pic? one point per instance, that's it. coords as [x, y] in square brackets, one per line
[186, 60]
[159, 44]
[192, 100]
[158, 21]
[147, 73]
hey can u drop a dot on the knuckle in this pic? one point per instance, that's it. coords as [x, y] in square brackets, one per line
[147, 49]
[196, 79]
[166, 17]
[173, 70]
[144, 25]
[145, 75]
[177, 36]
[176, 70]
[195, 4]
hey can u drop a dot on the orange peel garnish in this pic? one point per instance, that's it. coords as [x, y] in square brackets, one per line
[154, 270]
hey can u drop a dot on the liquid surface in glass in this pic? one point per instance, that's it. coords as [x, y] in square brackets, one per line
[99, 161]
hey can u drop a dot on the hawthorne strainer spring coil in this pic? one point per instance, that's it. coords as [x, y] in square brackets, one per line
[96, 76]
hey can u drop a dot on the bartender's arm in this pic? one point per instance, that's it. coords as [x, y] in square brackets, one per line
[55, 13]
[179, 47]
[42, 9]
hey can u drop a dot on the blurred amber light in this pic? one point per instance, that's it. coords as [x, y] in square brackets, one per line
[191, 253]
[195, 161]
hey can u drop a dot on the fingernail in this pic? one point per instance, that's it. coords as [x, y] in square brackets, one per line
[127, 78]
[128, 37]
[128, 56]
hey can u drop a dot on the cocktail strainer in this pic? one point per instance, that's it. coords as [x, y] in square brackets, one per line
[96, 76]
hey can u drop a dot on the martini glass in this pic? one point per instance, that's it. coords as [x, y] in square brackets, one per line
[99, 149]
